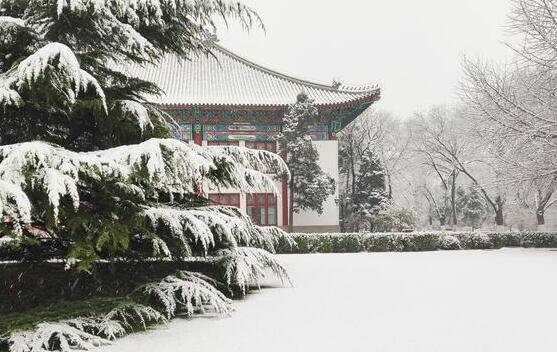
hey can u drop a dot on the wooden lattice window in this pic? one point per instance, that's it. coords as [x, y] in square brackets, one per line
[229, 199]
[268, 146]
[224, 143]
[262, 208]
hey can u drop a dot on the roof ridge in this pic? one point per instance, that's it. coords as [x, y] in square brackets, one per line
[372, 88]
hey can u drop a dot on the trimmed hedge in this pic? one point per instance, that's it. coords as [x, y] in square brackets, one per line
[412, 242]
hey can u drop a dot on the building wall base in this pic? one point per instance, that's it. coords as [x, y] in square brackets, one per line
[316, 229]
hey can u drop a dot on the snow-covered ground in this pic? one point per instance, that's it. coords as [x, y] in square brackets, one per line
[503, 300]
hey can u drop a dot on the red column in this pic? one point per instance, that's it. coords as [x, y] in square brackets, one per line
[284, 201]
[198, 139]
[197, 134]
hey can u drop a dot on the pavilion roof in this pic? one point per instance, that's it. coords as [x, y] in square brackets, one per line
[225, 79]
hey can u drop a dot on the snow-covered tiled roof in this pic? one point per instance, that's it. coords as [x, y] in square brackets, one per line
[226, 79]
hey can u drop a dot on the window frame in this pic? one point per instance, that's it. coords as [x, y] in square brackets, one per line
[262, 201]
[223, 199]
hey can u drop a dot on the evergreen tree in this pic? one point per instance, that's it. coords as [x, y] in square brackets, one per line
[472, 206]
[309, 186]
[370, 196]
[79, 165]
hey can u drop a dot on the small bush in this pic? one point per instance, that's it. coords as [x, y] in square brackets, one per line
[419, 241]
[449, 242]
[475, 241]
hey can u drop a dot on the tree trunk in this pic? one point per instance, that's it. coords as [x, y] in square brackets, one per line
[499, 211]
[453, 197]
[353, 170]
[291, 204]
[540, 216]
[499, 216]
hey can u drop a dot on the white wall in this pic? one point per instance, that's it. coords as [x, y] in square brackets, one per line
[328, 160]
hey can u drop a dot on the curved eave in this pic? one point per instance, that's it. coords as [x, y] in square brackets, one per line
[369, 98]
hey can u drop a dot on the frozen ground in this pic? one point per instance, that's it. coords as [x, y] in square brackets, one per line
[470, 301]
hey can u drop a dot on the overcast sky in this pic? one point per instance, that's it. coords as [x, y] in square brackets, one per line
[412, 49]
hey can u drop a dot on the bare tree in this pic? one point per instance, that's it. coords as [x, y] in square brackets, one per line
[534, 21]
[514, 108]
[449, 148]
[538, 195]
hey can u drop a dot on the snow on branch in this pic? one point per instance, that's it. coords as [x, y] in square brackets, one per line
[53, 57]
[132, 315]
[181, 223]
[164, 164]
[8, 96]
[14, 204]
[135, 111]
[177, 167]
[85, 333]
[187, 292]
[260, 160]
[46, 335]
[201, 225]
[157, 165]
[244, 266]
[8, 21]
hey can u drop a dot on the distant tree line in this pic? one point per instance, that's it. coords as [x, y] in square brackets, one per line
[486, 161]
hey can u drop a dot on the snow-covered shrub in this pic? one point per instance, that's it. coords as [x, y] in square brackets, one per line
[352, 244]
[539, 240]
[506, 239]
[420, 241]
[448, 242]
[382, 243]
[475, 240]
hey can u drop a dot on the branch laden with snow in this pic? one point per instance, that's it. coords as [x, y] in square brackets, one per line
[244, 266]
[206, 225]
[54, 336]
[56, 65]
[37, 176]
[187, 293]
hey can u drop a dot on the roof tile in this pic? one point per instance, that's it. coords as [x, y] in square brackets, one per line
[225, 78]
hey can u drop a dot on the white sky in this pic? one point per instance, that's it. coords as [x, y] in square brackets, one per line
[412, 49]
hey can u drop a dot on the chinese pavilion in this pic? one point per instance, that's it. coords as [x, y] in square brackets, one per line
[224, 99]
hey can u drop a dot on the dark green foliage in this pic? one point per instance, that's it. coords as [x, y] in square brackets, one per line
[471, 206]
[24, 286]
[370, 196]
[100, 36]
[65, 64]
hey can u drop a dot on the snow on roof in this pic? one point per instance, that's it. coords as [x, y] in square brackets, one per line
[226, 79]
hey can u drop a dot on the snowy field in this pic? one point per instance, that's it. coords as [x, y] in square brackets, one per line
[503, 300]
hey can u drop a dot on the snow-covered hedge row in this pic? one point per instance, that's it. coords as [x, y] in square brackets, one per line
[419, 241]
